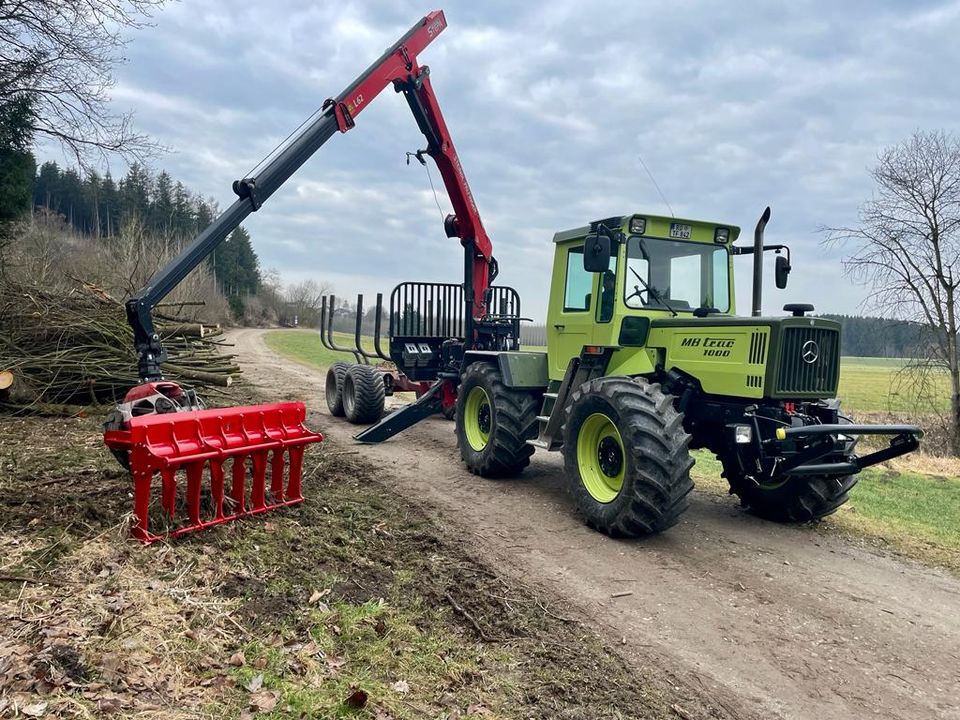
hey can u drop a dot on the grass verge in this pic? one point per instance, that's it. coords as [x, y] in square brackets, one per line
[914, 514]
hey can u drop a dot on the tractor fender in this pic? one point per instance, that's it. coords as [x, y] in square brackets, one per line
[519, 369]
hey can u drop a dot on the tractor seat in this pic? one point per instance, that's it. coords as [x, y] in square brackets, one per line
[798, 309]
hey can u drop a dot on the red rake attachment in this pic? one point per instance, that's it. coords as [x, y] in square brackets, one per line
[190, 443]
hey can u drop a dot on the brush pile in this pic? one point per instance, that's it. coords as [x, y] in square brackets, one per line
[63, 352]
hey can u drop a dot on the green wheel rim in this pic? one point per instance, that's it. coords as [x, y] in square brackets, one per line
[477, 418]
[600, 458]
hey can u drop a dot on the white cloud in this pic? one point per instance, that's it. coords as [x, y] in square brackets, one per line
[732, 106]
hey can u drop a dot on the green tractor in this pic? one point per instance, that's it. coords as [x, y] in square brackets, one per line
[646, 360]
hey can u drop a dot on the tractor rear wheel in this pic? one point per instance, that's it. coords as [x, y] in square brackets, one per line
[333, 388]
[493, 423]
[797, 499]
[363, 394]
[627, 456]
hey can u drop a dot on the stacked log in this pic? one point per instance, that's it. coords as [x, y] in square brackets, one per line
[76, 349]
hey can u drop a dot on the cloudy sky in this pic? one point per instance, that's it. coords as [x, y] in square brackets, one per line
[732, 106]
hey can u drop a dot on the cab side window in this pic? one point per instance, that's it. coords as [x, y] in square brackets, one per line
[579, 285]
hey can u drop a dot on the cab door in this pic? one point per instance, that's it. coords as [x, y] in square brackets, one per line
[570, 318]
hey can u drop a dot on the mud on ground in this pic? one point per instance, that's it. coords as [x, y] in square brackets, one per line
[352, 604]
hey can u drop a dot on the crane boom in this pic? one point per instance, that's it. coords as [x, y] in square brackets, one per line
[398, 67]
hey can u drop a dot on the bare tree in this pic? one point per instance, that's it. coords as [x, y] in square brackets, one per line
[61, 54]
[906, 248]
[304, 299]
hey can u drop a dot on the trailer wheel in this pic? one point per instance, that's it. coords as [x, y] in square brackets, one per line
[333, 388]
[493, 423]
[363, 394]
[797, 499]
[627, 456]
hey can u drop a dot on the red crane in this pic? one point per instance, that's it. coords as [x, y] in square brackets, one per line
[162, 429]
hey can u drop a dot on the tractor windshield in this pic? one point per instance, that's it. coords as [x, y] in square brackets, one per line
[676, 275]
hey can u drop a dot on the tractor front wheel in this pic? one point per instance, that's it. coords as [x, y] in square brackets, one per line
[493, 423]
[627, 456]
[796, 499]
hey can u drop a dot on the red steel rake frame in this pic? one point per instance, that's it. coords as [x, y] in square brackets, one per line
[165, 444]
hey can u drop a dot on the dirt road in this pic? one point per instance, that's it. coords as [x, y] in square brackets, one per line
[769, 621]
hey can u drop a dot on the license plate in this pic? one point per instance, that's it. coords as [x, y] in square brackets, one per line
[679, 230]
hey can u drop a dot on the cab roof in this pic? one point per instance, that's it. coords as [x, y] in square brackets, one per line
[619, 221]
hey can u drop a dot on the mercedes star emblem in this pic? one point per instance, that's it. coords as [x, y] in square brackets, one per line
[810, 352]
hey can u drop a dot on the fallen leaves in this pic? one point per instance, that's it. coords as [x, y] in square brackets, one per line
[109, 704]
[238, 659]
[34, 710]
[334, 662]
[317, 595]
[480, 710]
[117, 635]
[265, 701]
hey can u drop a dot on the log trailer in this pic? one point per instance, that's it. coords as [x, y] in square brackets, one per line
[645, 360]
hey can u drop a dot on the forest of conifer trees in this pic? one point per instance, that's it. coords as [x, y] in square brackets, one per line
[98, 206]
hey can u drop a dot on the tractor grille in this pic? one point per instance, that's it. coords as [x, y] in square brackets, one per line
[809, 361]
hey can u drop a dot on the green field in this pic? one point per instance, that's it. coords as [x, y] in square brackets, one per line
[866, 384]
[304, 347]
[877, 385]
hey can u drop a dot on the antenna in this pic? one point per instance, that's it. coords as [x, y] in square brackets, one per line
[654, 181]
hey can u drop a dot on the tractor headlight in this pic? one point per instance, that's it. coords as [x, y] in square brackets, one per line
[638, 225]
[742, 434]
[721, 235]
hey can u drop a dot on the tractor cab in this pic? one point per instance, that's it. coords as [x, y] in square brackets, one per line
[614, 276]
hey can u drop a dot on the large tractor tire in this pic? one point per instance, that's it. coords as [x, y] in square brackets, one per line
[363, 394]
[797, 499]
[627, 456]
[493, 423]
[333, 388]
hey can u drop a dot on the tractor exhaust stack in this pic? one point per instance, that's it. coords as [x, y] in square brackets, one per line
[758, 262]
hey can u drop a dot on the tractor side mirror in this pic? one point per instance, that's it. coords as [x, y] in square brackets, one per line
[596, 253]
[782, 271]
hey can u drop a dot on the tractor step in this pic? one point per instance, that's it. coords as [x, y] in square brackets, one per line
[543, 418]
[538, 443]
